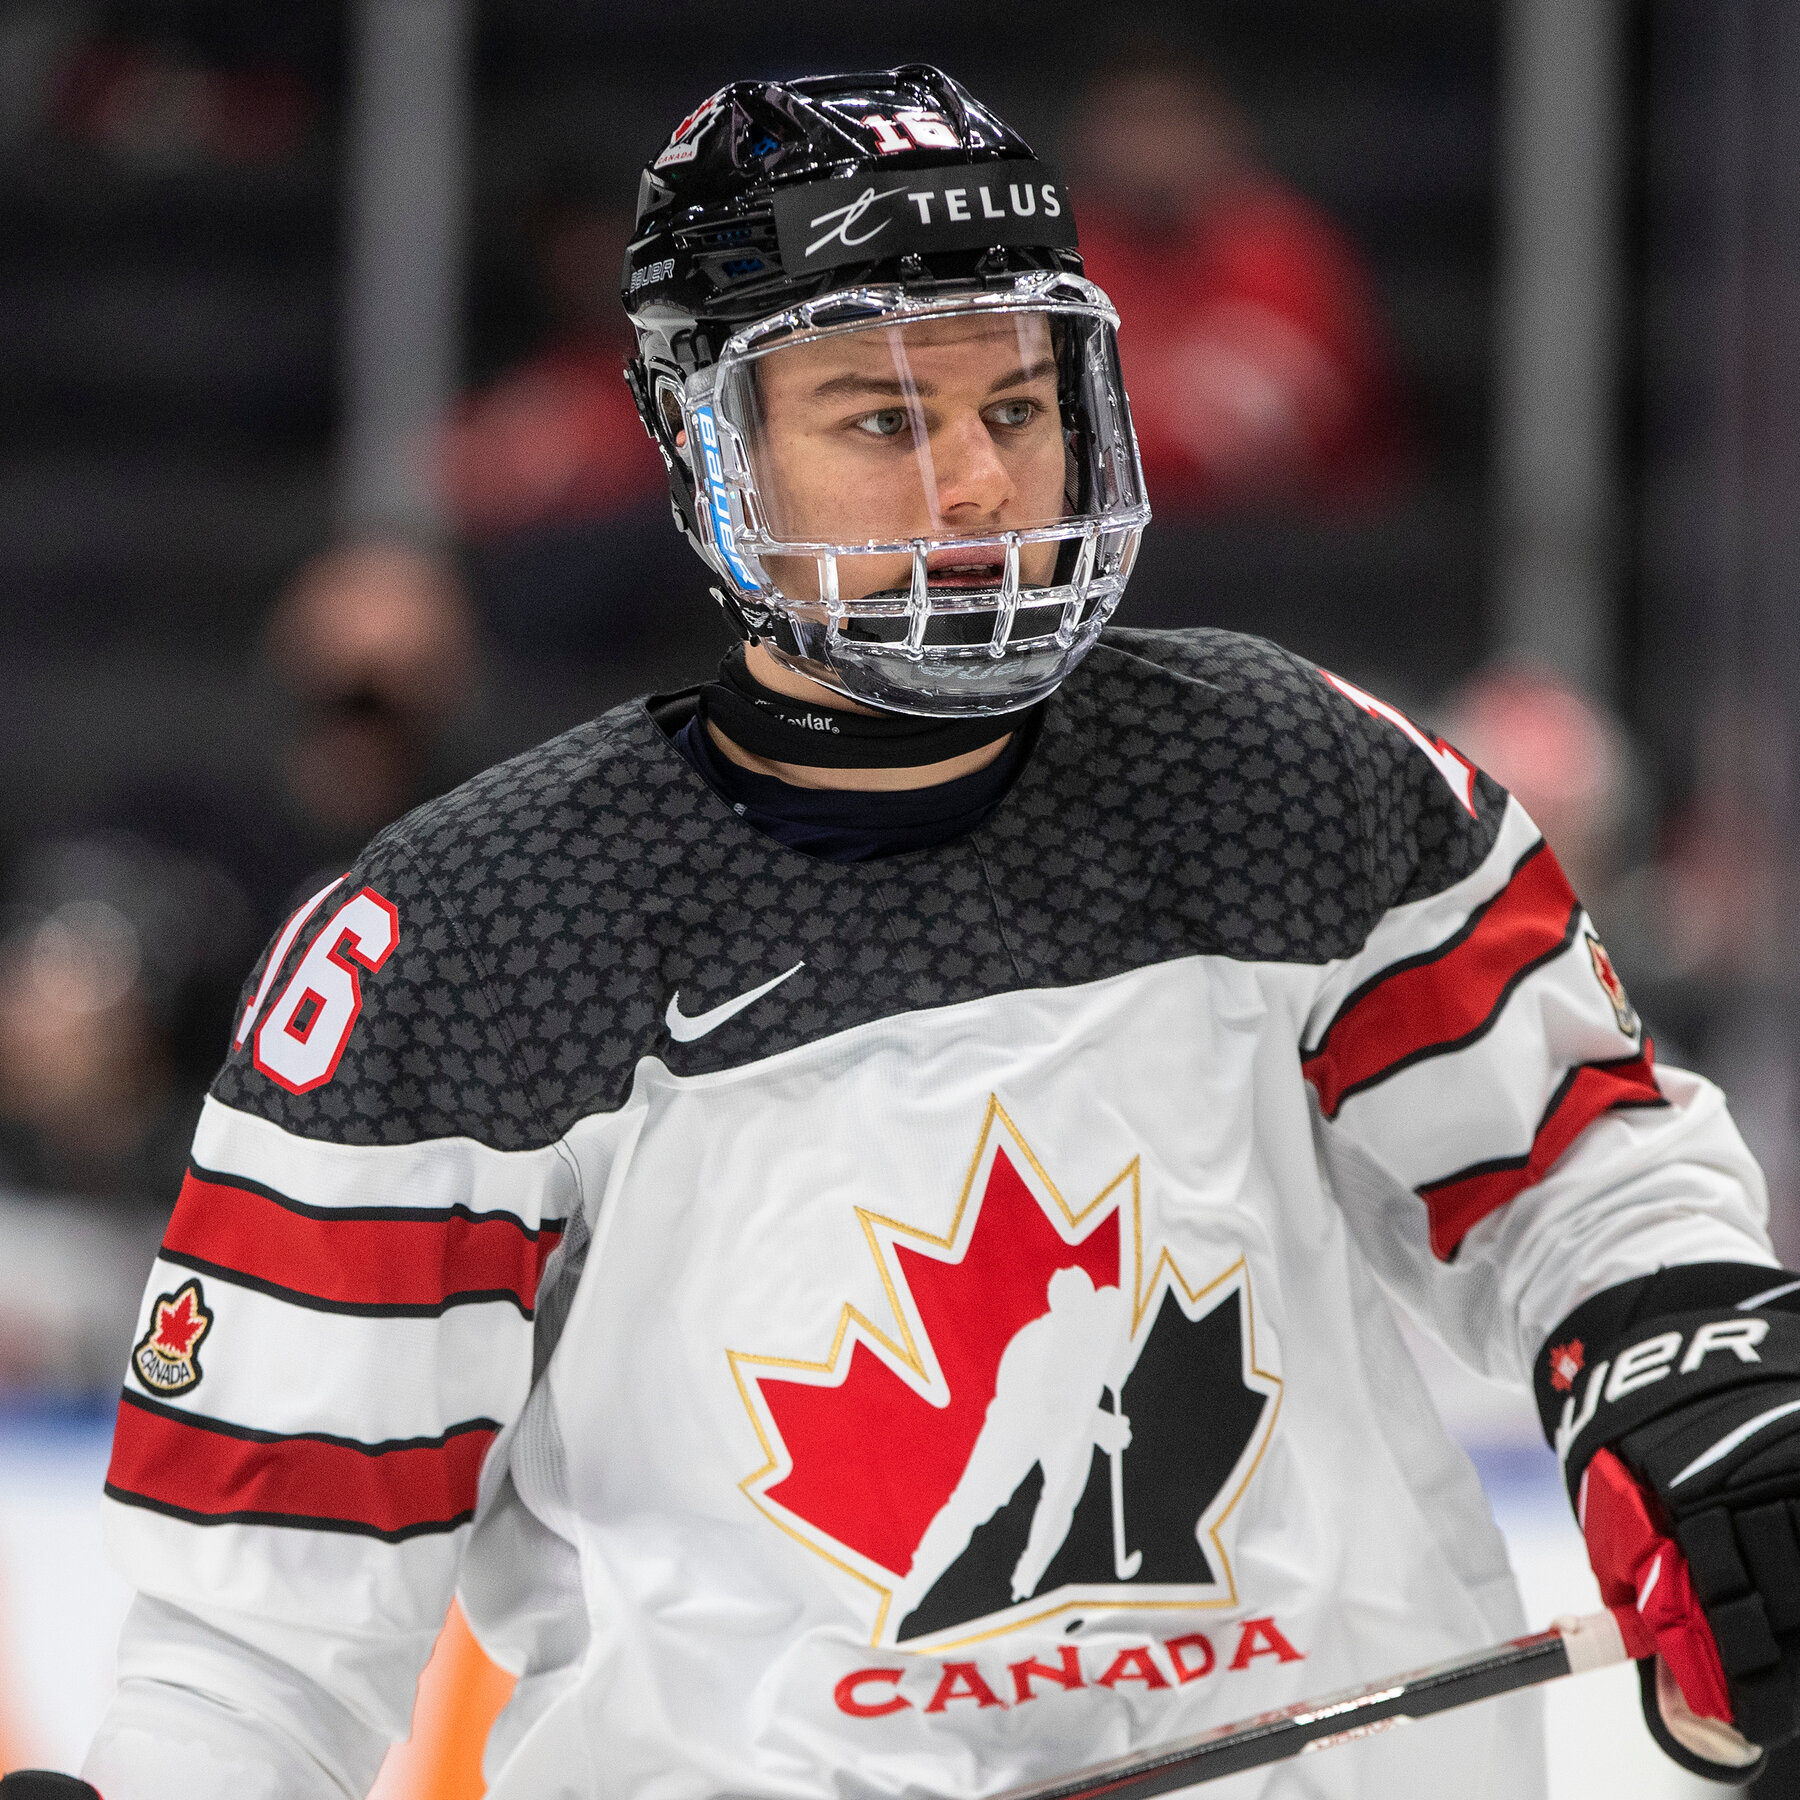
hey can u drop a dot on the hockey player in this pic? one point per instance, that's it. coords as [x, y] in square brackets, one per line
[628, 1182]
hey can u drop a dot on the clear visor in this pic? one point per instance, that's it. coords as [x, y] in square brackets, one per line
[939, 476]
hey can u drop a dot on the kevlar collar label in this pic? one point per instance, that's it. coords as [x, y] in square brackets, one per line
[776, 725]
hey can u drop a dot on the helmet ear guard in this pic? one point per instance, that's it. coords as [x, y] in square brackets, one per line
[657, 394]
[658, 400]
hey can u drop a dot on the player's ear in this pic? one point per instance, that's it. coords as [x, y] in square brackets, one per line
[668, 403]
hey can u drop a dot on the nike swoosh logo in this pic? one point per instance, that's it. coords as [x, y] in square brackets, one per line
[684, 1030]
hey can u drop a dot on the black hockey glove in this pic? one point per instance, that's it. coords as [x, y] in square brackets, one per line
[41, 1784]
[1674, 1404]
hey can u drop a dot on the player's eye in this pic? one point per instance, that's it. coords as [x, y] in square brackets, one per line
[1013, 415]
[887, 423]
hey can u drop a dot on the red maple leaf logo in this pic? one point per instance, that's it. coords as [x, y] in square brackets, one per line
[180, 1324]
[865, 1447]
[1566, 1362]
[873, 1456]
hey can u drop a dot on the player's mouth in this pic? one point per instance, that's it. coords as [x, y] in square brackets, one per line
[965, 568]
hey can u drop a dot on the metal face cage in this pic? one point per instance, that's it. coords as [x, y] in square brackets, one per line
[930, 503]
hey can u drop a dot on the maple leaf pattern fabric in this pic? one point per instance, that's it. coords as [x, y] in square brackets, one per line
[1190, 794]
[995, 1312]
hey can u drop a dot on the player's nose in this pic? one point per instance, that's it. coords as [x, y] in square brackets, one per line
[973, 484]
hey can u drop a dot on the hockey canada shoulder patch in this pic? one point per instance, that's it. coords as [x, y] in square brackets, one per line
[1612, 986]
[167, 1356]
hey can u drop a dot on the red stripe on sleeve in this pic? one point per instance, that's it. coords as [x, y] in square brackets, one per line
[355, 1260]
[174, 1463]
[1457, 1204]
[1436, 1002]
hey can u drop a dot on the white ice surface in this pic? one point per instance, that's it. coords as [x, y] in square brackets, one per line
[61, 1605]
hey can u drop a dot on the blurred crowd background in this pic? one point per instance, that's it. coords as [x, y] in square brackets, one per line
[1459, 335]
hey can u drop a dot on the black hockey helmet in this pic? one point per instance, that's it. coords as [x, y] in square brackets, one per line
[783, 214]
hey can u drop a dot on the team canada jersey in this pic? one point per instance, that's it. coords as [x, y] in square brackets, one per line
[900, 1328]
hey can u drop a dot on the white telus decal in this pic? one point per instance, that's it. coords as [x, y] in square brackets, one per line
[299, 1044]
[1457, 771]
[1023, 203]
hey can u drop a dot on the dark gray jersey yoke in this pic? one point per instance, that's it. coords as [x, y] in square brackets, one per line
[1192, 793]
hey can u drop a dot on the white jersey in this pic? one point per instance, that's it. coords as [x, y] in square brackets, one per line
[903, 1328]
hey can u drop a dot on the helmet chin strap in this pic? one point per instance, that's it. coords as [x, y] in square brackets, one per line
[784, 729]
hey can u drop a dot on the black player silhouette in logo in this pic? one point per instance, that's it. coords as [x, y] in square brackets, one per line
[1046, 1412]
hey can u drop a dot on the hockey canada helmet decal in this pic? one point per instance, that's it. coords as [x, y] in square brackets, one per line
[167, 1356]
[1055, 1419]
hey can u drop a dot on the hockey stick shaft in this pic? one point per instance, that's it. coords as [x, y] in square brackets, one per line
[1570, 1646]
